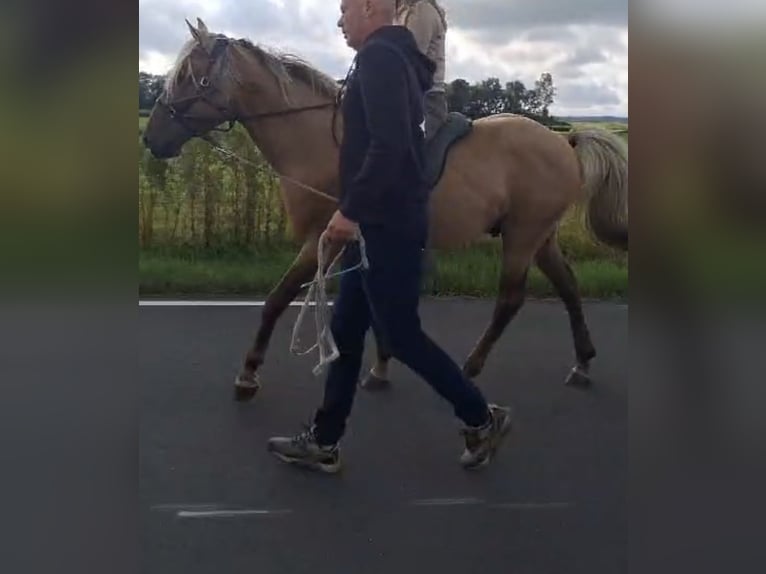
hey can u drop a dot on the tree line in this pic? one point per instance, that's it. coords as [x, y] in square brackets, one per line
[475, 100]
[149, 89]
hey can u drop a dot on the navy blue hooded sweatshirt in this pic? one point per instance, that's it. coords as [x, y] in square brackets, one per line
[382, 150]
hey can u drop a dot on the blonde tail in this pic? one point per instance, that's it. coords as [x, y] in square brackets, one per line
[603, 157]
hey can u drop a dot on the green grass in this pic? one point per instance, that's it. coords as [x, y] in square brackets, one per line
[180, 271]
[476, 272]
[471, 272]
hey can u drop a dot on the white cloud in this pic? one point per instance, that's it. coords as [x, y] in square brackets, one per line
[583, 43]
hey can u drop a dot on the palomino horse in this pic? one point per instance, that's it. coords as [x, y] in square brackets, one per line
[509, 175]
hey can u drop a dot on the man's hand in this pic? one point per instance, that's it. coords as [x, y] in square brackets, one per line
[341, 229]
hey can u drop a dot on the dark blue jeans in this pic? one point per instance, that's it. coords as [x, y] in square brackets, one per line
[387, 295]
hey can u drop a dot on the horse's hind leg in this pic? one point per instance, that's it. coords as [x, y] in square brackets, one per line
[517, 256]
[303, 268]
[551, 262]
[377, 379]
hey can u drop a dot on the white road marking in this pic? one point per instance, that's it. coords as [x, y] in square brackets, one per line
[447, 501]
[191, 303]
[186, 507]
[534, 505]
[228, 513]
[503, 505]
[216, 511]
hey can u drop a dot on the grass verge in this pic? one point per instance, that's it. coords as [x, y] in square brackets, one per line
[471, 272]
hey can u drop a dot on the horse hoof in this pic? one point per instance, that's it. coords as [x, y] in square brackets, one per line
[246, 388]
[375, 383]
[471, 370]
[578, 378]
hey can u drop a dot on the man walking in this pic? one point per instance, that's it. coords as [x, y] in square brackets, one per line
[383, 197]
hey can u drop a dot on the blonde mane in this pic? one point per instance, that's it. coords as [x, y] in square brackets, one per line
[288, 68]
[285, 67]
[171, 78]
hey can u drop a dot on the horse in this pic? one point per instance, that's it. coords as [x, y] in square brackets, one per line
[509, 176]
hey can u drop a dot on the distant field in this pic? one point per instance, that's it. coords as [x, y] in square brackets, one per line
[614, 126]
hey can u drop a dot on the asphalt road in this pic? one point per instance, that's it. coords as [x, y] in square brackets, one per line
[214, 501]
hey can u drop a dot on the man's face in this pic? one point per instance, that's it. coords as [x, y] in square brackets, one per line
[352, 21]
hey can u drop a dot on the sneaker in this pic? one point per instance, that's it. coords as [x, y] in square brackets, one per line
[482, 442]
[304, 450]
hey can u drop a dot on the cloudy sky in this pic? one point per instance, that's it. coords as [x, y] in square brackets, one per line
[583, 43]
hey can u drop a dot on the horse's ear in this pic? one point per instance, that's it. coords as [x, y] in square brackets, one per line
[201, 35]
[194, 32]
[201, 26]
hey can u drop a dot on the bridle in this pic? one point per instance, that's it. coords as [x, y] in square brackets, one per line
[179, 109]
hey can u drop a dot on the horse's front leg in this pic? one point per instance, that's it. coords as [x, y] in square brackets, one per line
[303, 268]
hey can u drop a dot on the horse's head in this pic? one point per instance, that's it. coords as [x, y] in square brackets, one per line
[197, 95]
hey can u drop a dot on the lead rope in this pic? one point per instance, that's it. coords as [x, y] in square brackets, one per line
[231, 155]
[325, 342]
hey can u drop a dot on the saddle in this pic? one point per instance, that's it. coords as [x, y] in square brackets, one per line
[454, 128]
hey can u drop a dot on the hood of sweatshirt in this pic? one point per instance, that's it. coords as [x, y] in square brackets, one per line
[402, 38]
